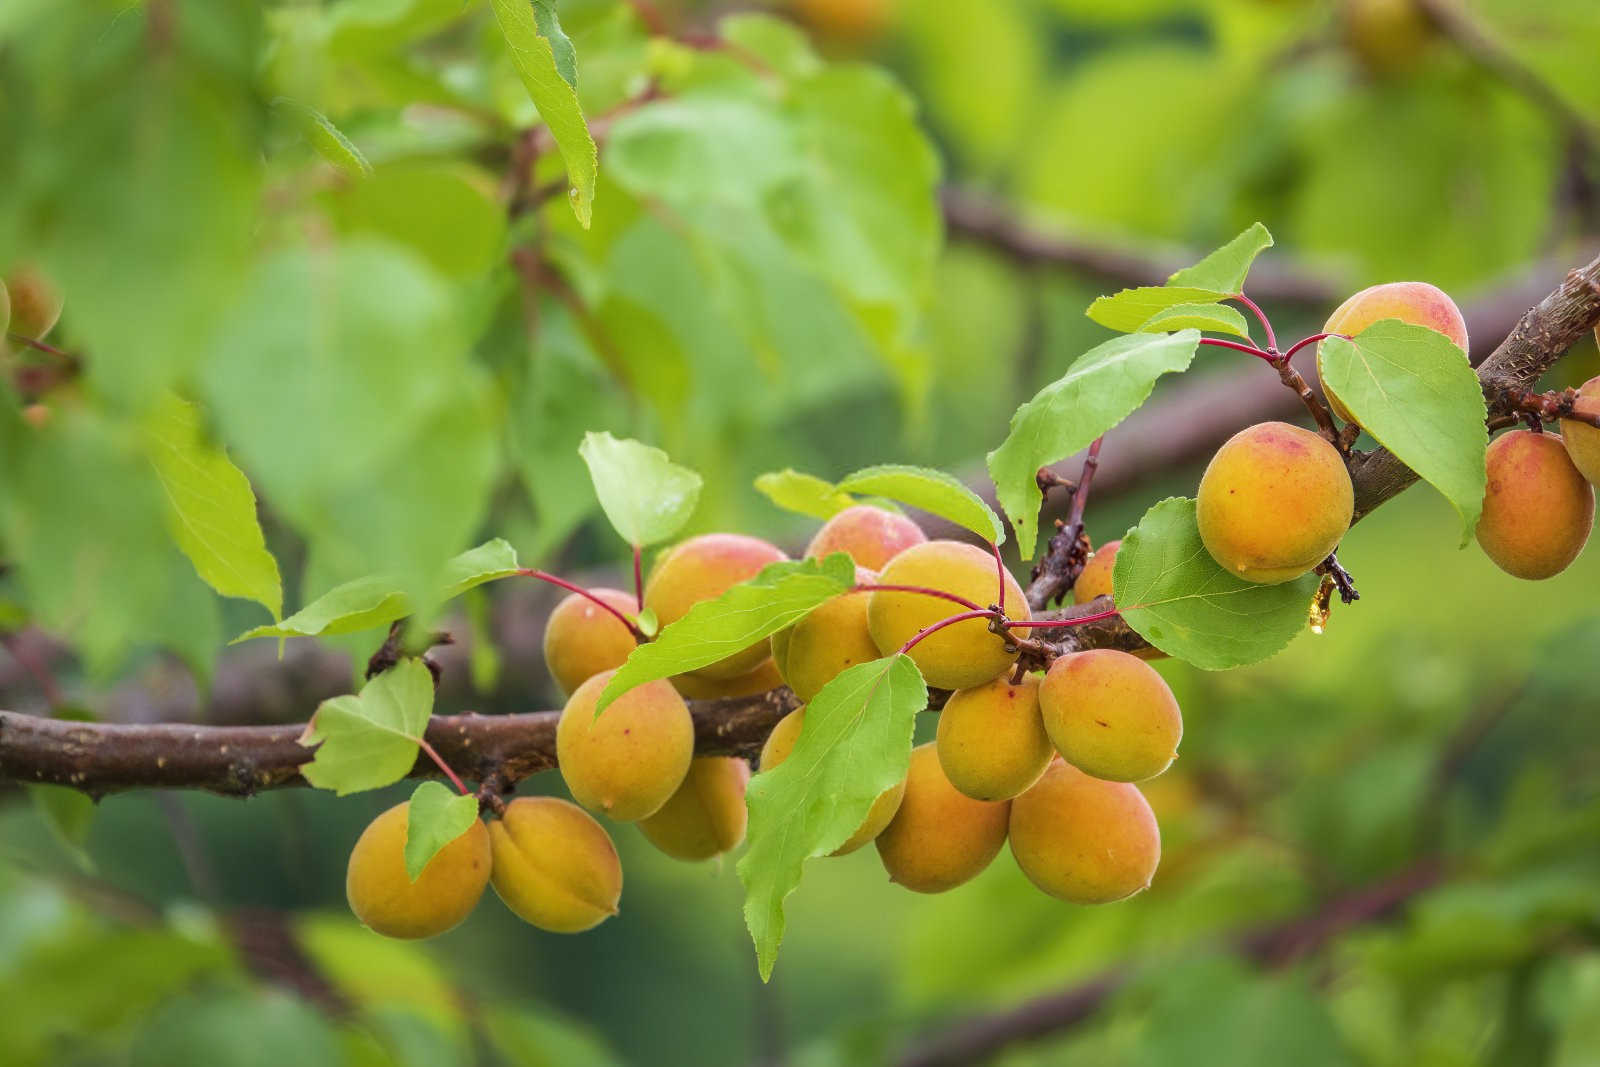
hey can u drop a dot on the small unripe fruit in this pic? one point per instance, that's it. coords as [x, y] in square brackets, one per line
[1583, 440]
[554, 865]
[830, 638]
[35, 303]
[629, 761]
[991, 741]
[764, 679]
[871, 536]
[1084, 840]
[1418, 303]
[1095, 580]
[940, 837]
[781, 742]
[703, 568]
[1111, 715]
[385, 898]
[1388, 36]
[582, 638]
[1273, 502]
[959, 656]
[1537, 509]
[706, 816]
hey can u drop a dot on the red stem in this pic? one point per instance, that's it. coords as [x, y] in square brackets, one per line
[1059, 624]
[924, 590]
[562, 583]
[1237, 347]
[1313, 339]
[41, 346]
[443, 766]
[999, 574]
[638, 577]
[1261, 316]
[981, 613]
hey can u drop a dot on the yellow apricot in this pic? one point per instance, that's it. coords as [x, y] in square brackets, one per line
[966, 653]
[1111, 715]
[1273, 502]
[940, 837]
[991, 741]
[1583, 440]
[35, 303]
[1418, 303]
[830, 638]
[1537, 509]
[849, 22]
[1082, 839]
[626, 763]
[706, 816]
[582, 638]
[781, 742]
[554, 865]
[385, 898]
[703, 568]
[763, 679]
[1388, 36]
[871, 536]
[1096, 577]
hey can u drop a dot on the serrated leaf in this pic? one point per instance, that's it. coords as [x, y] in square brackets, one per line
[646, 496]
[855, 744]
[369, 740]
[210, 507]
[932, 491]
[716, 629]
[1102, 387]
[535, 59]
[325, 138]
[436, 817]
[1412, 389]
[549, 24]
[1218, 318]
[1170, 590]
[805, 494]
[1130, 309]
[1226, 269]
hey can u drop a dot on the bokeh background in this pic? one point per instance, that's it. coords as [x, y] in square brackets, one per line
[1440, 742]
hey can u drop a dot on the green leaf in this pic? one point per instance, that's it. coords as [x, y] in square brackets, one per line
[327, 139]
[211, 508]
[370, 740]
[1102, 387]
[69, 814]
[715, 629]
[804, 493]
[489, 562]
[646, 496]
[1130, 309]
[436, 817]
[549, 24]
[1182, 601]
[932, 491]
[781, 45]
[462, 231]
[534, 56]
[1218, 318]
[1412, 389]
[1225, 269]
[856, 743]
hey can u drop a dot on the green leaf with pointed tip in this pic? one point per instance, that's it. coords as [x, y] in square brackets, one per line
[327, 139]
[210, 507]
[489, 562]
[1170, 590]
[436, 817]
[1130, 309]
[805, 494]
[716, 629]
[1413, 390]
[856, 743]
[370, 740]
[932, 491]
[549, 24]
[646, 496]
[534, 56]
[1102, 387]
[1217, 318]
[1226, 269]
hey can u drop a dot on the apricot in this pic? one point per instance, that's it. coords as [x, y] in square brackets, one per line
[850, 22]
[706, 816]
[781, 742]
[35, 303]
[763, 679]
[1111, 715]
[582, 638]
[703, 568]
[627, 763]
[959, 656]
[1418, 303]
[1095, 579]
[991, 741]
[554, 865]
[871, 536]
[1581, 439]
[830, 638]
[1537, 509]
[1388, 36]
[1273, 502]
[1082, 839]
[940, 837]
[385, 898]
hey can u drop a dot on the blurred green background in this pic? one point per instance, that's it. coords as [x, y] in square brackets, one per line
[768, 283]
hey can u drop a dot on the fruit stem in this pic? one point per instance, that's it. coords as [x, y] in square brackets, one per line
[1059, 624]
[443, 766]
[999, 573]
[1237, 347]
[1313, 339]
[51, 350]
[980, 613]
[1266, 323]
[924, 590]
[562, 583]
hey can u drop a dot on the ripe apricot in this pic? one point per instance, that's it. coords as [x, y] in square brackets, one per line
[1537, 509]
[1581, 439]
[959, 656]
[1111, 715]
[763, 679]
[582, 638]
[385, 898]
[554, 865]
[35, 303]
[940, 837]
[1273, 502]
[1095, 580]
[781, 742]
[1418, 303]
[991, 741]
[706, 816]
[626, 763]
[872, 536]
[703, 568]
[830, 638]
[1082, 839]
